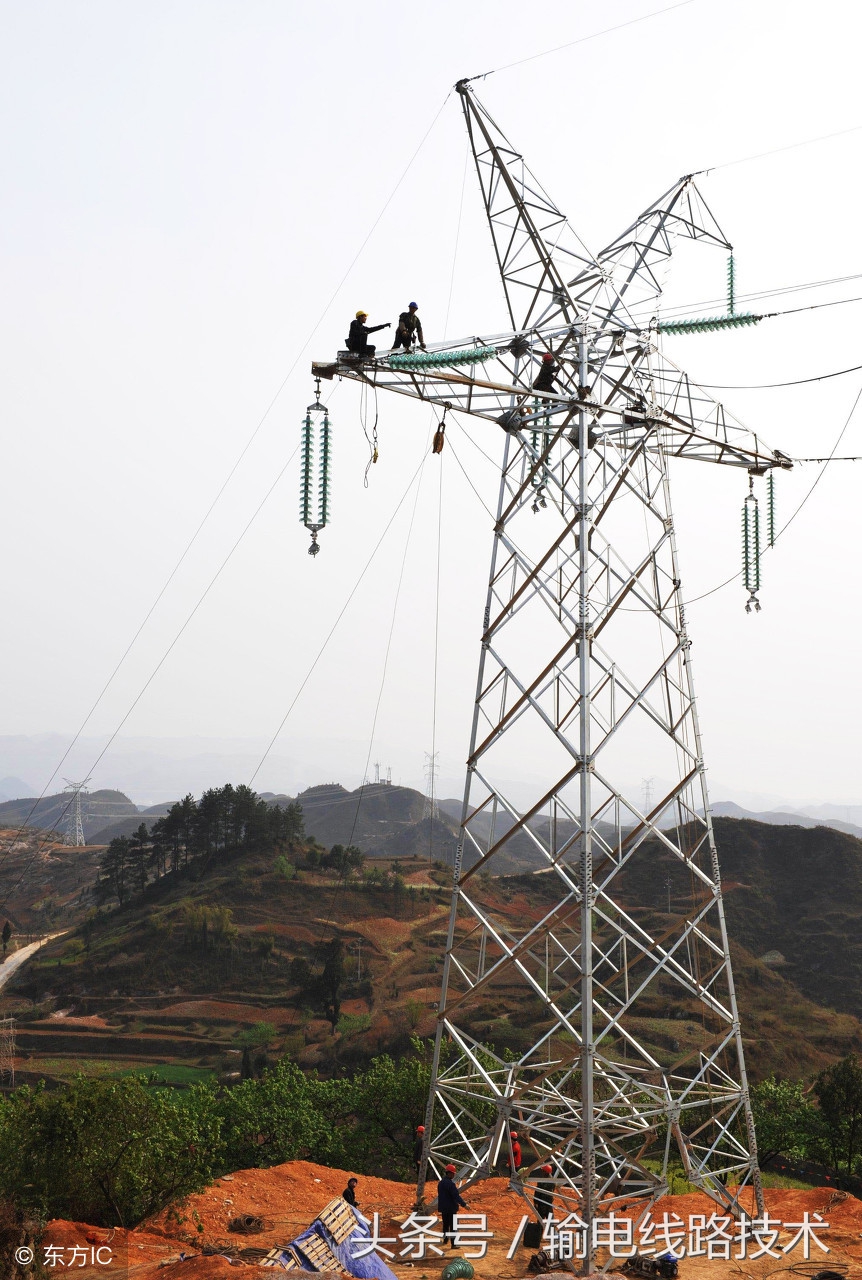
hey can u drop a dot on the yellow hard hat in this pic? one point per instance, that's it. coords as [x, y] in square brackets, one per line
[360, 314]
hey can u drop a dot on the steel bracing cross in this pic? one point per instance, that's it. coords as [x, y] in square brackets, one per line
[607, 975]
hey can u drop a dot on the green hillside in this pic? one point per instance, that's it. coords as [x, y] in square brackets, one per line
[252, 925]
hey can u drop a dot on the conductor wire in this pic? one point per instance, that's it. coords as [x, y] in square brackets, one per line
[224, 486]
[787, 524]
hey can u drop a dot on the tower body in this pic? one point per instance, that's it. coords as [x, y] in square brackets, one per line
[73, 813]
[588, 1002]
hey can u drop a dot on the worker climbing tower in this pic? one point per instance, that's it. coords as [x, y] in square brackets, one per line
[612, 980]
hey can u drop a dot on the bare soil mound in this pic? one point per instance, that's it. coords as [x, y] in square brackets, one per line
[288, 1197]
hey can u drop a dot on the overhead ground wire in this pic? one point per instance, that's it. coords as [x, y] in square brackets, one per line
[644, 17]
[683, 309]
[790, 146]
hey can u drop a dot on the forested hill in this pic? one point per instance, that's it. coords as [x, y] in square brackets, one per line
[796, 892]
[226, 915]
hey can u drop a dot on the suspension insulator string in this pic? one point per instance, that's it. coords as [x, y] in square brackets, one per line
[323, 505]
[731, 287]
[770, 508]
[313, 520]
[751, 548]
[540, 477]
[306, 462]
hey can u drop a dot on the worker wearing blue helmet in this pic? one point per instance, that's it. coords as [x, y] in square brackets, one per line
[409, 329]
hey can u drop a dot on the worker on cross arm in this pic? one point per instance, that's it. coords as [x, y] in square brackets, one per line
[448, 1202]
[409, 329]
[357, 338]
[547, 374]
[543, 1196]
[418, 1145]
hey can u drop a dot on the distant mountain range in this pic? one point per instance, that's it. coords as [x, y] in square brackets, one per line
[793, 817]
[14, 789]
[382, 819]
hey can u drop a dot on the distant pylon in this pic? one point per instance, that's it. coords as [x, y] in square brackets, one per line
[73, 821]
[431, 809]
[7, 1050]
[647, 785]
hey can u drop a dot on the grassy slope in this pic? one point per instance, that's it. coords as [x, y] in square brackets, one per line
[165, 998]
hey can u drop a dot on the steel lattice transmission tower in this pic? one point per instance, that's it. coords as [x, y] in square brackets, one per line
[432, 768]
[73, 815]
[585, 666]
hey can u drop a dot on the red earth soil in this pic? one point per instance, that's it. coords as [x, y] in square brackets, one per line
[288, 1197]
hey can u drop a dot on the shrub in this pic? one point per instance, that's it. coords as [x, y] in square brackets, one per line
[106, 1151]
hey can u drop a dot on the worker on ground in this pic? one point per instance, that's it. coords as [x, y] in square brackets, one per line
[409, 329]
[547, 374]
[543, 1196]
[448, 1202]
[418, 1145]
[514, 1160]
[349, 1192]
[357, 338]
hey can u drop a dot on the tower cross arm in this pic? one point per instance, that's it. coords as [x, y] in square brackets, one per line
[698, 427]
[633, 389]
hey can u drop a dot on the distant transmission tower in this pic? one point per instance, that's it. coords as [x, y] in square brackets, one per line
[647, 785]
[7, 1051]
[73, 820]
[431, 809]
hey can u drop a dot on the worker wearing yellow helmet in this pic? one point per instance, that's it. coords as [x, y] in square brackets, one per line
[357, 339]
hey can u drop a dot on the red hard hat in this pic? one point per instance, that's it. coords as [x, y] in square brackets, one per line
[546, 1168]
[513, 1134]
[420, 1128]
[450, 1168]
[547, 356]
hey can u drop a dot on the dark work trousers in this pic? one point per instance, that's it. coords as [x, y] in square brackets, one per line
[367, 351]
[448, 1227]
[404, 340]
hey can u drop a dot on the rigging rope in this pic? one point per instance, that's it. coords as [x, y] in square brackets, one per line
[436, 657]
[342, 878]
[340, 615]
[372, 439]
[769, 386]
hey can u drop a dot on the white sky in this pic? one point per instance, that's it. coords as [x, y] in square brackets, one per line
[185, 186]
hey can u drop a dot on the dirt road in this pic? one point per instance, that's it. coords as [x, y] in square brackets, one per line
[14, 961]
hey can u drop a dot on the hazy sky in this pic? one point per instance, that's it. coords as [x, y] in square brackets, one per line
[186, 188]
